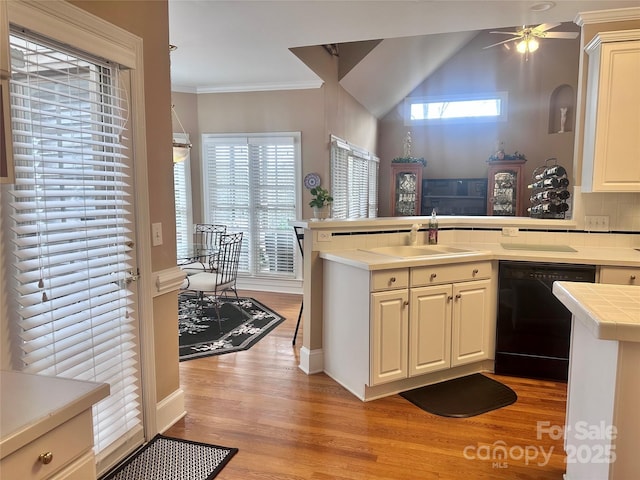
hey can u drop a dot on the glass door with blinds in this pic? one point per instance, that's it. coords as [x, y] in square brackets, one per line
[250, 185]
[69, 231]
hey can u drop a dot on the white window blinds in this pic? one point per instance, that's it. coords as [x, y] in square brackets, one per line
[250, 186]
[182, 192]
[354, 181]
[70, 214]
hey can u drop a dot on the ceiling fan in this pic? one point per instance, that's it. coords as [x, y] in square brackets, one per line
[527, 37]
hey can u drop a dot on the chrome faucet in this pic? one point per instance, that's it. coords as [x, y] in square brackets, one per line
[413, 236]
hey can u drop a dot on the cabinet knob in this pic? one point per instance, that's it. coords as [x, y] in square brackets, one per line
[405, 303]
[46, 458]
[392, 280]
[475, 272]
[433, 275]
[449, 298]
[633, 278]
[458, 296]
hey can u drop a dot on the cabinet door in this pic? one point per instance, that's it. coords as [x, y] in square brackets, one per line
[389, 335]
[406, 189]
[470, 322]
[504, 189]
[612, 126]
[430, 329]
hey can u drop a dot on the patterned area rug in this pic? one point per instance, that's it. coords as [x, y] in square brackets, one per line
[244, 323]
[165, 458]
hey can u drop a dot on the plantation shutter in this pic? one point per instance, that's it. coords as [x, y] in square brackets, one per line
[354, 181]
[72, 245]
[182, 192]
[250, 186]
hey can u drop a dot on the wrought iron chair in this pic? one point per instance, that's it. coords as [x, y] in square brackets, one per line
[206, 241]
[222, 280]
[300, 238]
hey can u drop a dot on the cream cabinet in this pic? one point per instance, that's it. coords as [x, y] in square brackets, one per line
[386, 331]
[620, 275]
[612, 113]
[450, 324]
[47, 427]
[389, 335]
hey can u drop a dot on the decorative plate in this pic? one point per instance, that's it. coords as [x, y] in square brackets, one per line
[312, 180]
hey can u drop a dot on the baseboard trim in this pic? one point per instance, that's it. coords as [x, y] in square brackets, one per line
[311, 361]
[169, 410]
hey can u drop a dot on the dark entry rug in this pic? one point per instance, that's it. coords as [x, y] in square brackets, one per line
[244, 322]
[165, 458]
[462, 397]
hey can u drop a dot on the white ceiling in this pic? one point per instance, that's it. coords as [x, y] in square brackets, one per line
[241, 45]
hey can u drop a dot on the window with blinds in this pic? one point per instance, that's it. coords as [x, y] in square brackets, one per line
[182, 192]
[354, 181]
[71, 252]
[250, 186]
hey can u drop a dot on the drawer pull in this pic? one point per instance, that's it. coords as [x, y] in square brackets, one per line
[475, 272]
[633, 277]
[433, 275]
[392, 280]
[46, 458]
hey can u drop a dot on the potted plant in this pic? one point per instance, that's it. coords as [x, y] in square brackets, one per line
[321, 202]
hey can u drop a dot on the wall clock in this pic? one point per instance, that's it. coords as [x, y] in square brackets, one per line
[312, 180]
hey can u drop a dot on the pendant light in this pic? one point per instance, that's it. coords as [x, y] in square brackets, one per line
[180, 149]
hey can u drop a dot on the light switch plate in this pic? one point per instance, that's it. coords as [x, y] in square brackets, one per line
[510, 231]
[596, 223]
[324, 236]
[156, 234]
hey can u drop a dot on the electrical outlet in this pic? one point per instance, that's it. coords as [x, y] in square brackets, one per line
[510, 231]
[324, 236]
[596, 223]
[156, 234]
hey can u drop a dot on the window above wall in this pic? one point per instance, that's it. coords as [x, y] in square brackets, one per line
[466, 108]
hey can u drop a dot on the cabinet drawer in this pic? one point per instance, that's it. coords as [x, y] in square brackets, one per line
[66, 442]
[460, 272]
[390, 279]
[620, 275]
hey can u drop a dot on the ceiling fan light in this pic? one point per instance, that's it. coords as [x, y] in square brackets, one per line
[522, 46]
[533, 44]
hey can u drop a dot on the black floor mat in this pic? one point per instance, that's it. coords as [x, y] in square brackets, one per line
[462, 397]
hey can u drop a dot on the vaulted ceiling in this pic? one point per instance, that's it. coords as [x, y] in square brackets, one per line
[235, 46]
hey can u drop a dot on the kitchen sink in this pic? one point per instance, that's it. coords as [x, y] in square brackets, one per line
[405, 251]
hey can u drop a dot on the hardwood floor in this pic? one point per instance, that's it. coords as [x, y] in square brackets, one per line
[290, 426]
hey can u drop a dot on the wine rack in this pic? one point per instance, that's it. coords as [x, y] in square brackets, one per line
[549, 191]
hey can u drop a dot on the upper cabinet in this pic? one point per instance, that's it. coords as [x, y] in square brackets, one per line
[612, 114]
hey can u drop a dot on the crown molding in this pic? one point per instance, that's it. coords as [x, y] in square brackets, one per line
[605, 16]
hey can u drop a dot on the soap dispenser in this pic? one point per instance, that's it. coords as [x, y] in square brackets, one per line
[433, 229]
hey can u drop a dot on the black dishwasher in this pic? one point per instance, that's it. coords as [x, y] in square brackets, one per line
[533, 328]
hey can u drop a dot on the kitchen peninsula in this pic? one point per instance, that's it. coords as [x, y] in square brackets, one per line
[613, 254]
[603, 423]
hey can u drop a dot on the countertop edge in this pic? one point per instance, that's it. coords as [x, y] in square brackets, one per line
[13, 441]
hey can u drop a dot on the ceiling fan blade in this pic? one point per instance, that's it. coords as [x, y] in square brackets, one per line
[545, 26]
[561, 35]
[500, 43]
[508, 33]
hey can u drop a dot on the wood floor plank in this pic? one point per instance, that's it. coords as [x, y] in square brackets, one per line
[292, 426]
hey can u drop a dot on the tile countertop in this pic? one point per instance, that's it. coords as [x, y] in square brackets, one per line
[32, 405]
[610, 312]
[361, 258]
